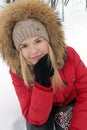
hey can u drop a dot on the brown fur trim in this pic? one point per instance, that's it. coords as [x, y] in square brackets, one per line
[25, 9]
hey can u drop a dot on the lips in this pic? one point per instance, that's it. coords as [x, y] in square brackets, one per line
[36, 57]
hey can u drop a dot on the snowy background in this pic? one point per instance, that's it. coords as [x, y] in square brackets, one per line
[75, 28]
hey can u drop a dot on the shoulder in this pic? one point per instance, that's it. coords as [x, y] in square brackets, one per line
[72, 55]
[70, 51]
[74, 58]
[15, 78]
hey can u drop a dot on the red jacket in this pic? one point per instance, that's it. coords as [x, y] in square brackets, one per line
[37, 103]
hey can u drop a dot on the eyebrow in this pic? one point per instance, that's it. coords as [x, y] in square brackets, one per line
[37, 38]
[34, 40]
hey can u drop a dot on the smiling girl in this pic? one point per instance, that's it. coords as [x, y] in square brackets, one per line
[49, 78]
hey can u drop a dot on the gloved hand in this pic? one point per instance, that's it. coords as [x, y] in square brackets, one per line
[43, 71]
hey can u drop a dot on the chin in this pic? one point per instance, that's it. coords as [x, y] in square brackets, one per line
[33, 63]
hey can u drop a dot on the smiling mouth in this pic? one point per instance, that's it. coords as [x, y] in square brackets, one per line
[36, 57]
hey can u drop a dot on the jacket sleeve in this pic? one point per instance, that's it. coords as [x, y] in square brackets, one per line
[32, 100]
[79, 117]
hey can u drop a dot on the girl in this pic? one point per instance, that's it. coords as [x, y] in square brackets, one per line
[49, 77]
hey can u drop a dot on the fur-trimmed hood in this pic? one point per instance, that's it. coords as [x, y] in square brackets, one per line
[29, 9]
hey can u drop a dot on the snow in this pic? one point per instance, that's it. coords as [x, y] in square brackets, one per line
[10, 113]
[2, 4]
[75, 28]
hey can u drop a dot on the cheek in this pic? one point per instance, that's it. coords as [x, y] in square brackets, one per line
[25, 54]
[45, 48]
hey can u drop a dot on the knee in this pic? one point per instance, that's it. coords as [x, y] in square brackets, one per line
[32, 126]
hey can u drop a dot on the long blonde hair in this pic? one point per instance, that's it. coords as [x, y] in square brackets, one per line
[28, 74]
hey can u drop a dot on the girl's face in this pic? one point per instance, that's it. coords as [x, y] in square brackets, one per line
[33, 49]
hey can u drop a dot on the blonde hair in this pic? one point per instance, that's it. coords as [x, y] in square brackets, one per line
[28, 74]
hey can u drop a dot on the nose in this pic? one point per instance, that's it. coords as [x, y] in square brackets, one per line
[33, 50]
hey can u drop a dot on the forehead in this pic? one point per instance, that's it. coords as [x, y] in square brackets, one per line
[32, 39]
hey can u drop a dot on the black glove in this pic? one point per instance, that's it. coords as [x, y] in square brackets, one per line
[43, 71]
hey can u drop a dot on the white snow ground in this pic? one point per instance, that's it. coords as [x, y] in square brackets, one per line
[75, 28]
